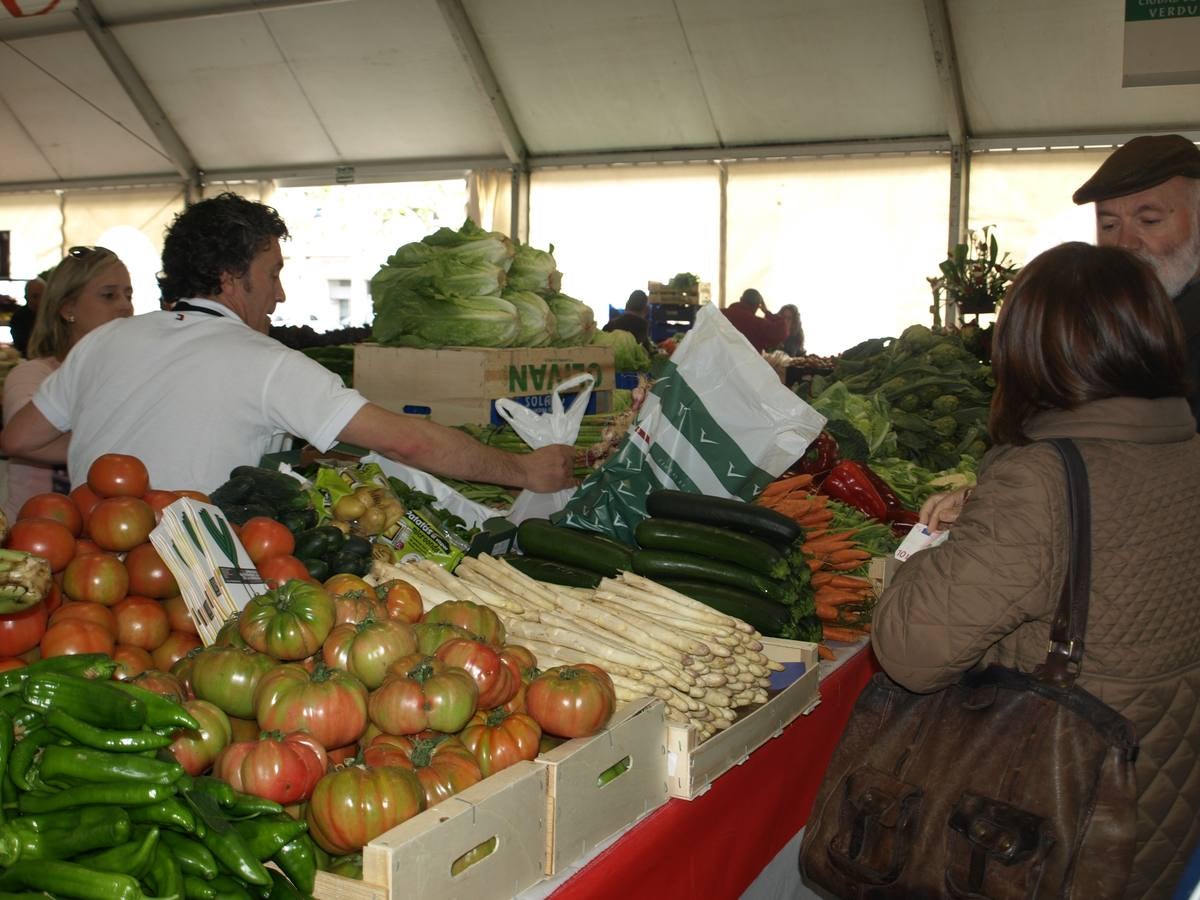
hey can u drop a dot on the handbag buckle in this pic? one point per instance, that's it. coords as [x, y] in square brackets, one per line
[995, 831]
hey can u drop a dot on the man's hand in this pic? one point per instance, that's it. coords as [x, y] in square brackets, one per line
[550, 469]
[940, 511]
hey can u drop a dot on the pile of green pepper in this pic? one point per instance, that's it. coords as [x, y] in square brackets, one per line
[95, 808]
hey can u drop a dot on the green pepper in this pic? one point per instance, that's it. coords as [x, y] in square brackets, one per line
[317, 567]
[282, 889]
[225, 843]
[68, 879]
[21, 757]
[194, 858]
[20, 841]
[85, 665]
[94, 702]
[251, 805]
[6, 745]
[102, 738]
[169, 813]
[131, 858]
[165, 876]
[85, 817]
[350, 866]
[82, 764]
[298, 860]
[223, 887]
[124, 795]
[25, 720]
[219, 790]
[160, 711]
[265, 835]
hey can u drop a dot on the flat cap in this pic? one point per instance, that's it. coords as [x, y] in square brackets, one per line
[1142, 163]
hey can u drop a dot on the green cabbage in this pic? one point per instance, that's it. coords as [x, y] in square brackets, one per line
[405, 318]
[534, 270]
[628, 354]
[537, 322]
[446, 275]
[472, 242]
[575, 320]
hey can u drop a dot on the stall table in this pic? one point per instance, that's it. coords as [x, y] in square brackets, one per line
[715, 845]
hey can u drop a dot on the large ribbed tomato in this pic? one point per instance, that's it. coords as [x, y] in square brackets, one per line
[196, 750]
[500, 739]
[441, 762]
[329, 704]
[476, 618]
[571, 701]
[283, 768]
[496, 681]
[423, 693]
[228, 677]
[367, 648]
[352, 806]
[288, 622]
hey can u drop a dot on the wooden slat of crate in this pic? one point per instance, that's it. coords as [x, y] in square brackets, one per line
[582, 812]
[881, 570]
[414, 859]
[337, 887]
[692, 766]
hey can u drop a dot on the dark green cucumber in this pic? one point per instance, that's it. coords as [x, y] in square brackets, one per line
[659, 564]
[552, 572]
[573, 547]
[725, 513]
[714, 542]
[269, 485]
[768, 618]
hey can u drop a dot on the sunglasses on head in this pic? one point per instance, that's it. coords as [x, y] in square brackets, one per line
[83, 252]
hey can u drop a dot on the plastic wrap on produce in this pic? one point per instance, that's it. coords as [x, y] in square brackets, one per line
[717, 421]
[474, 514]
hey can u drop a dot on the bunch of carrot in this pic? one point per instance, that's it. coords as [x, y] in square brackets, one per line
[843, 599]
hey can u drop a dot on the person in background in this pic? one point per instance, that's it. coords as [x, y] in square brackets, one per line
[21, 323]
[793, 344]
[89, 288]
[763, 332]
[1107, 368]
[1147, 196]
[633, 319]
[201, 388]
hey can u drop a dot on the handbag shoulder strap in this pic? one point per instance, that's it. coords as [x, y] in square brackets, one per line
[1065, 651]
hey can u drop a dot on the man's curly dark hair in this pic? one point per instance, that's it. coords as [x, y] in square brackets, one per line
[217, 235]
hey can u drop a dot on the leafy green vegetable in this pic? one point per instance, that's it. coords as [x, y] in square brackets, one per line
[628, 354]
[575, 320]
[869, 415]
[534, 270]
[684, 281]
[538, 327]
[405, 318]
[472, 243]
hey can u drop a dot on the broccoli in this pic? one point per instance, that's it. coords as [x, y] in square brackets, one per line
[945, 426]
[917, 338]
[944, 405]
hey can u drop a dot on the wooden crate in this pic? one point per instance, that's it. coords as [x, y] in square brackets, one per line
[581, 811]
[415, 858]
[664, 294]
[458, 386]
[881, 570]
[693, 766]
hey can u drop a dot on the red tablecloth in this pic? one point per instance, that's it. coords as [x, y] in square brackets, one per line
[715, 846]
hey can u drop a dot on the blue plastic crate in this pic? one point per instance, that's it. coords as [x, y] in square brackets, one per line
[625, 381]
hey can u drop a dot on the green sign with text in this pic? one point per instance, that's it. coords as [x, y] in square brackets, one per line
[1153, 10]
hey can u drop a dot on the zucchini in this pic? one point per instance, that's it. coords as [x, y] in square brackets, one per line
[234, 492]
[725, 513]
[552, 572]
[574, 547]
[269, 485]
[659, 564]
[714, 542]
[767, 617]
[320, 542]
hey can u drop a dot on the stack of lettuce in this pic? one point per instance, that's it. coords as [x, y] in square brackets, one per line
[474, 288]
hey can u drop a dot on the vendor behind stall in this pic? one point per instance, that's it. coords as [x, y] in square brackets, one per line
[198, 389]
[763, 332]
[633, 319]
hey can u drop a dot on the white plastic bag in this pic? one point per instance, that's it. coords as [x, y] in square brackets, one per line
[559, 426]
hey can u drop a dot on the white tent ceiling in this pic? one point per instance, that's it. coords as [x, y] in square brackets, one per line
[148, 91]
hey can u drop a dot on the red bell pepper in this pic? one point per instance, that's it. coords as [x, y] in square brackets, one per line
[856, 485]
[819, 458]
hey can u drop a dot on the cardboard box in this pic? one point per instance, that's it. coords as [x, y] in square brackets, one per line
[457, 386]
[693, 766]
[600, 784]
[487, 842]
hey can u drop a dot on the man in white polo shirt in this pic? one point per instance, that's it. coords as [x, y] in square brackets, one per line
[199, 388]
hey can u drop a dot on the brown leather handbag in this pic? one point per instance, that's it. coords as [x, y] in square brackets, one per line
[1004, 785]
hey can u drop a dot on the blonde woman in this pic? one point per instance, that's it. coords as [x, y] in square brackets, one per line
[89, 288]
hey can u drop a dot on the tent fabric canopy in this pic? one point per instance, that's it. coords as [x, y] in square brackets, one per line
[106, 92]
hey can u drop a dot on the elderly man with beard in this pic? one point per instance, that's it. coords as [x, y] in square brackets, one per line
[1147, 196]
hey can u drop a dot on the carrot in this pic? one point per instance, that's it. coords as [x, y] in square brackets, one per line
[845, 635]
[786, 485]
[824, 652]
[836, 597]
[814, 564]
[794, 507]
[825, 546]
[816, 532]
[849, 565]
[822, 578]
[826, 613]
[849, 555]
[852, 582]
[814, 518]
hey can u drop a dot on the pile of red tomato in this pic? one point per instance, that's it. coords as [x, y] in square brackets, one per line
[346, 699]
[112, 593]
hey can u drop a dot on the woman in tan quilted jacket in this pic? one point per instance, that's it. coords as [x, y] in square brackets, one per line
[1087, 346]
